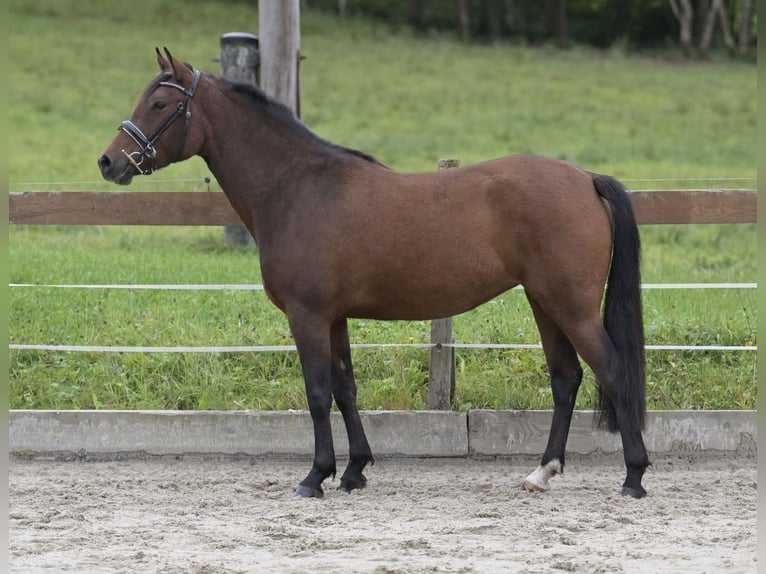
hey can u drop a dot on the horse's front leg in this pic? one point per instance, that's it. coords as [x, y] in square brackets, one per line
[344, 391]
[312, 337]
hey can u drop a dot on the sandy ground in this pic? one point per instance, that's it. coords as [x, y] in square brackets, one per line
[208, 516]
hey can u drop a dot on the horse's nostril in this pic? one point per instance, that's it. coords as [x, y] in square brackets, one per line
[104, 162]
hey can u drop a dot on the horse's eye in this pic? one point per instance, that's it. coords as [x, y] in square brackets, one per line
[158, 105]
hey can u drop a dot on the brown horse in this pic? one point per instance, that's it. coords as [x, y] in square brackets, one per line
[342, 236]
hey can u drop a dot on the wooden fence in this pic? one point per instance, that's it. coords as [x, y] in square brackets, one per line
[212, 208]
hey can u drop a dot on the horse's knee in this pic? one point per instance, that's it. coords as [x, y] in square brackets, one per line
[319, 400]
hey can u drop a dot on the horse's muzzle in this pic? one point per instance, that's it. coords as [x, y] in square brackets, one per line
[120, 171]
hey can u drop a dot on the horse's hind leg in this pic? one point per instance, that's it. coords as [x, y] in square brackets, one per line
[566, 376]
[344, 391]
[595, 346]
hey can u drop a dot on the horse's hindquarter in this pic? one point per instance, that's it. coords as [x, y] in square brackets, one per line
[437, 244]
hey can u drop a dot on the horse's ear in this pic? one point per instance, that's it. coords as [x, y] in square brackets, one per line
[176, 67]
[162, 62]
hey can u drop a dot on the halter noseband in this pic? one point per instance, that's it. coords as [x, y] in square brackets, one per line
[148, 151]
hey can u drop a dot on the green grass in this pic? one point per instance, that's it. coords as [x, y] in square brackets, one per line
[408, 101]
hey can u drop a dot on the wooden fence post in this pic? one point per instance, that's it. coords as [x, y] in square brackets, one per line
[279, 25]
[240, 61]
[441, 368]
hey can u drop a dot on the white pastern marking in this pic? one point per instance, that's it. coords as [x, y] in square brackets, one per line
[538, 480]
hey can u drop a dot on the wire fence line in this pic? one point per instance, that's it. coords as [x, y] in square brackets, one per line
[259, 286]
[292, 348]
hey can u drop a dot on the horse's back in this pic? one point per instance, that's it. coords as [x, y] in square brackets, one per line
[436, 244]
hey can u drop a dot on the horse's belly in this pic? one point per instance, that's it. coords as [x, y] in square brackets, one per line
[430, 298]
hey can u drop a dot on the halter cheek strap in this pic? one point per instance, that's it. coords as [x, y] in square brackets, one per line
[146, 144]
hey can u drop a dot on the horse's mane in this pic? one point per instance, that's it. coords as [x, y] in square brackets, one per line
[259, 98]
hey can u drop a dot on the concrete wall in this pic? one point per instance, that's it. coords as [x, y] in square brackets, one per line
[391, 433]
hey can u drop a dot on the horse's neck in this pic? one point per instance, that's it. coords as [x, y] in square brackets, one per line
[256, 157]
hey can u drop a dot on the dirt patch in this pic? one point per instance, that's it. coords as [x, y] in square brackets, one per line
[417, 515]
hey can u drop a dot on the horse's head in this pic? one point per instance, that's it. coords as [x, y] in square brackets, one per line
[163, 112]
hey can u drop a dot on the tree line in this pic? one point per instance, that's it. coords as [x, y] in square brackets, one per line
[695, 27]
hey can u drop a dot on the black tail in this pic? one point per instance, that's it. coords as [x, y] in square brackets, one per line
[623, 318]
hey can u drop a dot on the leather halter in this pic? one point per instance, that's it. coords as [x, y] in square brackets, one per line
[146, 144]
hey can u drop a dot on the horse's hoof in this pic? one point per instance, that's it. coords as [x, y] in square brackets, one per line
[538, 480]
[308, 492]
[347, 486]
[530, 486]
[633, 492]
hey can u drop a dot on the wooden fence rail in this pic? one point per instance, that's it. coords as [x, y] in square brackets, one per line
[212, 208]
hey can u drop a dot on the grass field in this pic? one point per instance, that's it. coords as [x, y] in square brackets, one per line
[77, 68]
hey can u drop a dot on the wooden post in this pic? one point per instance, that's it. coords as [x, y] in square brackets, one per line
[240, 57]
[279, 34]
[441, 368]
[239, 62]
